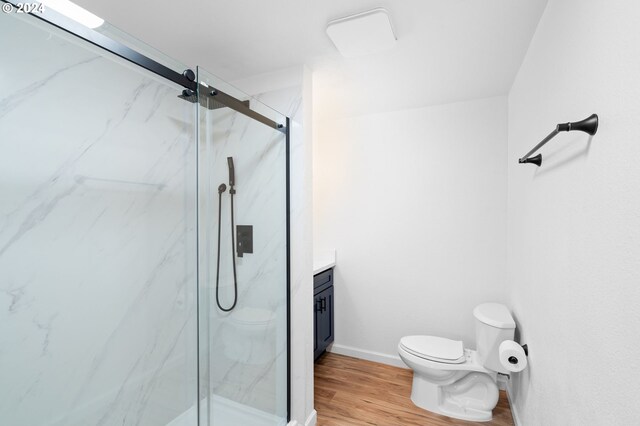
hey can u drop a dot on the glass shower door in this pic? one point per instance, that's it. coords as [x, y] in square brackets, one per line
[243, 260]
[98, 237]
[143, 240]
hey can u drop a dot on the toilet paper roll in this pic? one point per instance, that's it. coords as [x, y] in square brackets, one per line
[512, 356]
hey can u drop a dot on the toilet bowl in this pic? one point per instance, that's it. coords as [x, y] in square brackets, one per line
[451, 380]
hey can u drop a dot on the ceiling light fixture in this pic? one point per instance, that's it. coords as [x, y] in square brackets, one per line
[363, 33]
[75, 12]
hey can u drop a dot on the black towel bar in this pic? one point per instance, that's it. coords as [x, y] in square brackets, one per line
[588, 125]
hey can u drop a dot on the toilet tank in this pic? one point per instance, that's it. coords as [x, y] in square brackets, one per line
[494, 324]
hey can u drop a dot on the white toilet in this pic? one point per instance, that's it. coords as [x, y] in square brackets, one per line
[457, 382]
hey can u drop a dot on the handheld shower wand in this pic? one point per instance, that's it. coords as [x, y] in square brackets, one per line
[221, 189]
[232, 174]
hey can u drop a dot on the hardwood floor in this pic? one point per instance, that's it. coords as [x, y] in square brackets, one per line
[350, 391]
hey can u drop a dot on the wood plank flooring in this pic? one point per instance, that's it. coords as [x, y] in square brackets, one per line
[350, 391]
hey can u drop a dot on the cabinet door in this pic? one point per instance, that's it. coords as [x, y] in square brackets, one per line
[324, 315]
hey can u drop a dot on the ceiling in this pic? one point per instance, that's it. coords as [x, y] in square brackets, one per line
[447, 50]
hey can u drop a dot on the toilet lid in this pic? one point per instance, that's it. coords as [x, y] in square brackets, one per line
[434, 348]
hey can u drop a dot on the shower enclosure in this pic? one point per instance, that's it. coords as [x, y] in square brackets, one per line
[110, 163]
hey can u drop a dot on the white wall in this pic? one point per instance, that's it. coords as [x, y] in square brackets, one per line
[414, 203]
[574, 227]
[302, 391]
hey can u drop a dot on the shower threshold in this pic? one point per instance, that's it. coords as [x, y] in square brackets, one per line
[226, 412]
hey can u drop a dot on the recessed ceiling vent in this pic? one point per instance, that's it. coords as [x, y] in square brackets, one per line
[363, 33]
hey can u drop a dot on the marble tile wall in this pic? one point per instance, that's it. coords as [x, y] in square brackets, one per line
[97, 237]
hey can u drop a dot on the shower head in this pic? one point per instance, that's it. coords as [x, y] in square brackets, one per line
[232, 176]
[222, 188]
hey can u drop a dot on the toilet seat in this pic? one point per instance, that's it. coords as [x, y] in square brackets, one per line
[433, 348]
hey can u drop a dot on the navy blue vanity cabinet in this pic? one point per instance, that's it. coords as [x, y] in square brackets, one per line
[323, 311]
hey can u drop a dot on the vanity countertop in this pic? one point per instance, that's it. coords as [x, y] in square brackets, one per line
[323, 260]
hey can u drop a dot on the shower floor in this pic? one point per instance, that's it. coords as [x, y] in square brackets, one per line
[225, 412]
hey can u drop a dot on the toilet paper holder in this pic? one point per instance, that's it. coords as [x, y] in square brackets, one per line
[514, 360]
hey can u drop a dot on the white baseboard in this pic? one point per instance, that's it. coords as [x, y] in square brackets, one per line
[312, 419]
[514, 411]
[393, 360]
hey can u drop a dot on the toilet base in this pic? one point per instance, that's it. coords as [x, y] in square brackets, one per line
[472, 397]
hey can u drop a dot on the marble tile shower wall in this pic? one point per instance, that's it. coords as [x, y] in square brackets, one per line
[97, 238]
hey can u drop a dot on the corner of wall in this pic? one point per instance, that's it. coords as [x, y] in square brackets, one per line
[524, 56]
[307, 102]
[301, 255]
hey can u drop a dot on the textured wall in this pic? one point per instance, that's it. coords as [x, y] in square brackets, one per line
[574, 227]
[414, 203]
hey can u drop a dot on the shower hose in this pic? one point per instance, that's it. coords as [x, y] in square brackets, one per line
[233, 257]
